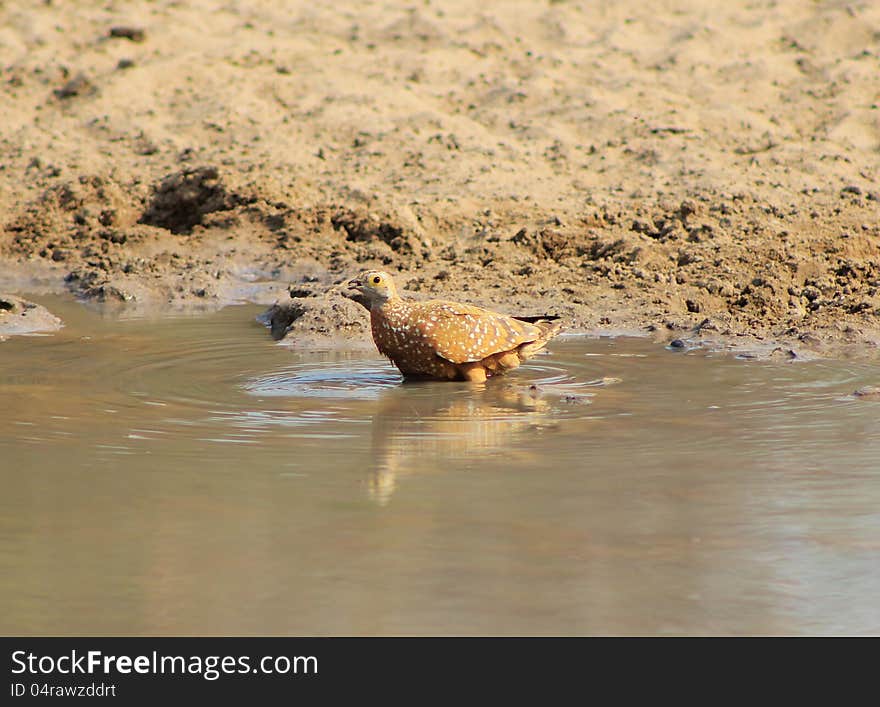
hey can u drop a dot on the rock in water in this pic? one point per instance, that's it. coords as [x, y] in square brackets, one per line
[19, 316]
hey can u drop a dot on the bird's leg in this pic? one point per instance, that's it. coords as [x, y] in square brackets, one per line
[508, 360]
[473, 372]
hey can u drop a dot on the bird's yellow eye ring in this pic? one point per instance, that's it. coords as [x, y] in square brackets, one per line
[376, 279]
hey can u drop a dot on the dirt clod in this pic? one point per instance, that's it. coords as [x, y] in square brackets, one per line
[134, 34]
[79, 85]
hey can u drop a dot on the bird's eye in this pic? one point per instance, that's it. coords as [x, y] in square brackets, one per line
[376, 279]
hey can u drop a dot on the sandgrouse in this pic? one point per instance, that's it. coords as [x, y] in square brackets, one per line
[447, 340]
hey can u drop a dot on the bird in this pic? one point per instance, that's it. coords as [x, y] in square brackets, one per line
[444, 340]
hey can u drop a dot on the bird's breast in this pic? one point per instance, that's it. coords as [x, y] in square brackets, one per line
[392, 329]
[397, 335]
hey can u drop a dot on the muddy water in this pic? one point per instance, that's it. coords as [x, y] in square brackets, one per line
[188, 476]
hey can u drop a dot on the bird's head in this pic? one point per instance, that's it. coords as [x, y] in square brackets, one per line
[375, 286]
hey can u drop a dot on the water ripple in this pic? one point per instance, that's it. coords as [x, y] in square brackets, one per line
[351, 380]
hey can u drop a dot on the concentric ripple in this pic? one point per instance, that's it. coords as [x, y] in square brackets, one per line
[355, 379]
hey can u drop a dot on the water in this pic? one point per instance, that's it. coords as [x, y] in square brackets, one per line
[189, 476]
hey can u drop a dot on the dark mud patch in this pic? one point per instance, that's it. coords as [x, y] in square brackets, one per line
[182, 200]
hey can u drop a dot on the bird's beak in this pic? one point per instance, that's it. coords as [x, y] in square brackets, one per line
[357, 292]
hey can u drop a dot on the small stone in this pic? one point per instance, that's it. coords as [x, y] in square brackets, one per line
[134, 34]
[79, 85]
[782, 354]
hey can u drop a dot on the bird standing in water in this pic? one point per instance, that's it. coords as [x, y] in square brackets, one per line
[447, 340]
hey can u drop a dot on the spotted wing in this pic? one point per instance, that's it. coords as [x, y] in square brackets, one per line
[462, 333]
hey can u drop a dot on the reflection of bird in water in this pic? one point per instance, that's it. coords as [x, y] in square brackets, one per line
[420, 428]
[448, 340]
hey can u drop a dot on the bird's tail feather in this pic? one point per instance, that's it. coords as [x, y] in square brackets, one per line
[549, 328]
[539, 318]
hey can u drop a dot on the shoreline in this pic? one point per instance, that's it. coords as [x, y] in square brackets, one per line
[305, 337]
